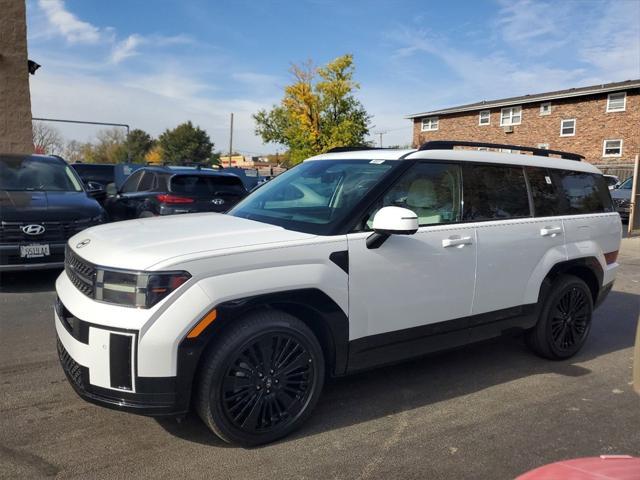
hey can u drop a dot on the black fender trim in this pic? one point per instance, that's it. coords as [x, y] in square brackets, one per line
[586, 268]
[314, 307]
[341, 259]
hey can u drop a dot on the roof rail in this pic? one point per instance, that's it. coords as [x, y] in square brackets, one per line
[543, 152]
[352, 149]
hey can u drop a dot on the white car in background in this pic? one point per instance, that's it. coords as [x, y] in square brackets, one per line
[373, 257]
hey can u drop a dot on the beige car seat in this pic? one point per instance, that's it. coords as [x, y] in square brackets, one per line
[422, 200]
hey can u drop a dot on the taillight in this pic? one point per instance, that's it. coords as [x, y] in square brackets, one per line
[611, 257]
[167, 198]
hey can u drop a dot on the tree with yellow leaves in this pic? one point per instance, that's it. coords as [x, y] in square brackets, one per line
[155, 156]
[318, 112]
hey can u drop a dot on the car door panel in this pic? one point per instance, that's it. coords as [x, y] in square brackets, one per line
[509, 252]
[410, 281]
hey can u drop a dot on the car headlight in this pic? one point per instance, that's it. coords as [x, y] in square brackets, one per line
[136, 289]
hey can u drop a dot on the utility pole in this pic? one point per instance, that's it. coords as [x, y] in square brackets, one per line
[380, 133]
[231, 140]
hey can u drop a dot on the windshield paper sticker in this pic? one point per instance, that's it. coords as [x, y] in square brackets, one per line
[377, 162]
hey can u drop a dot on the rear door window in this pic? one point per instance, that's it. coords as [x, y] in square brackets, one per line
[207, 185]
[546, 201]
[131, 184]
[494, 193]
[581, 192]
[147, 183]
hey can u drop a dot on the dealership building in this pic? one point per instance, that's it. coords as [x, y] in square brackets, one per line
[600, 122]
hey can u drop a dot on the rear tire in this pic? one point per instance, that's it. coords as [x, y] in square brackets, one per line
[261, 380]
[565, 319]
[146, 214]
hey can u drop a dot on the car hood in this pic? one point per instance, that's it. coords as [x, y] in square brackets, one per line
[35, 206]
[621, 193]
[140, 244]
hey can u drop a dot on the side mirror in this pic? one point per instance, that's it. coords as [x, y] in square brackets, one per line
[95, 190]
[392, 221]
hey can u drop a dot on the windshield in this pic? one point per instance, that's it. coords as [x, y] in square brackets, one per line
[33, 173]
[626, 185]
[201, 185]
[313, 196]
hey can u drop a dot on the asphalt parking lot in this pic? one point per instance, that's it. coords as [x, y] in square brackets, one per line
[488, 411]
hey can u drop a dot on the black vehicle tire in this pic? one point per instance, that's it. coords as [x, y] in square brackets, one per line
[565, 319]
[146, 214]
[261, 380]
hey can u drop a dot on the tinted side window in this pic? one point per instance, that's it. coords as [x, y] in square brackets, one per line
[431, 190]
[546, 201]
[582, 192]
[494, 192]
[147, 182]
[131, 183]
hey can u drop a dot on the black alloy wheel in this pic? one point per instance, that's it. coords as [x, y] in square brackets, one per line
[570, 319]
[564, 320]
[266, 385]
[261, 379]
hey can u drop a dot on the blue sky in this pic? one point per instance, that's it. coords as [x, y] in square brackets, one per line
[153, 64]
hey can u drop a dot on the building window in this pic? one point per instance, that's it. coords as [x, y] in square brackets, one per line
[617, 102]
[510, 116]
[485, 117]
[545, 108]
[543, 146]
[430, 124]
[612, 148]
[568, 127]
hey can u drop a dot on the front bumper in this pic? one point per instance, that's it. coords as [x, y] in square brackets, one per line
[100, 364]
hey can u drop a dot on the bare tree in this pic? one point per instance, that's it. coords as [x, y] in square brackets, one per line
[47, 139]
[74, 151]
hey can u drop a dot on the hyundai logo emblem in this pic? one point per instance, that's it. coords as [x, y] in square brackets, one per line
[217, 201]
[33, 229]
[83, 243]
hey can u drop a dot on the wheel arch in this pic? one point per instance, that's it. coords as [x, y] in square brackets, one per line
[312, 306]
[587, 269]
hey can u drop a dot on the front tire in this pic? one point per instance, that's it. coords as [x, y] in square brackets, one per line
[261, 380]
[565, 319]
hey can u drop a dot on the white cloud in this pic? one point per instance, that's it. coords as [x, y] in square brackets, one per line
[126, 48]
[67, 24]
[153, 103]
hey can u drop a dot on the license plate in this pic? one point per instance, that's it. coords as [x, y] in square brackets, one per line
[34, 251]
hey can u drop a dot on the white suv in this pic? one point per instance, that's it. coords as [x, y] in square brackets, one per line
[351, 260]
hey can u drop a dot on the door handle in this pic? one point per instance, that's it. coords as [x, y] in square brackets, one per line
[550, 231]
[456, 241]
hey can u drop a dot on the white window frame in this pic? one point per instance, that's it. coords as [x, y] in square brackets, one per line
[511, 115]
[562, 127]
[488, 113]
[542, 111]
[624, 102]
[429, 123]
[604, 148]
[543, 146]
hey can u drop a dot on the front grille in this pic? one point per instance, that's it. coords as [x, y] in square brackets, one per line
[70, 366]
[81, 273]
[11, 232]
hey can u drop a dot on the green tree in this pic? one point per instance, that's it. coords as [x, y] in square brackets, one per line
[138, 144]
[318, 111]
[185, 144]
[109, 147]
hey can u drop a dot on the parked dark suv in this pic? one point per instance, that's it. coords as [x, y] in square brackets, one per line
[152, 191]
[43, 203]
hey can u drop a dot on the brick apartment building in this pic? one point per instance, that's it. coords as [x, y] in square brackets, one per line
[601, 122]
